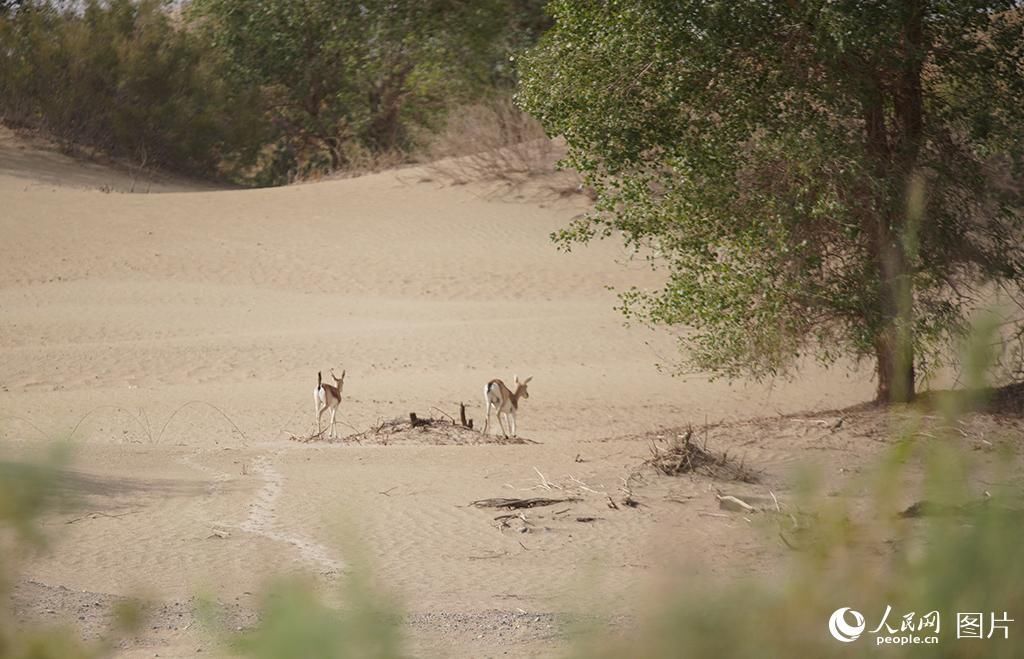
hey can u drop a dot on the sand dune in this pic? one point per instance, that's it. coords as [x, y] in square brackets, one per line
[182, 333]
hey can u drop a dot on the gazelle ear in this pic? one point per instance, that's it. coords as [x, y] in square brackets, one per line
[515, 379]
[527, 380]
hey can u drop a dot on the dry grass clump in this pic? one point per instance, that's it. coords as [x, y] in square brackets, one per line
[493, 141]
[415, 429]
[680, 455]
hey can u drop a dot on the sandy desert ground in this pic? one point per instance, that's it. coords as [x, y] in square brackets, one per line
[175, 337]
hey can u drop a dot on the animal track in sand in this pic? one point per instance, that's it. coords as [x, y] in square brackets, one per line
[263, 518]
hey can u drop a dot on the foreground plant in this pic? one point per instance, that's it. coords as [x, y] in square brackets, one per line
[28, 490]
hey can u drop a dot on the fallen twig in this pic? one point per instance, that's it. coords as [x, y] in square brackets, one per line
[786, 541]
[94, 515]
[512, 504]
[729, 502]
[442, 412]
[545, 483]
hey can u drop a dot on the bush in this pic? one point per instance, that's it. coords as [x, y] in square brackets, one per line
[123, 78]
[491, 140]
[260, 92]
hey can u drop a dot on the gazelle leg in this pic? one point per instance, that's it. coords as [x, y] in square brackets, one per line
[504, 432]
[319, 419]
[512, 416]
[487, 421]
[334, 429]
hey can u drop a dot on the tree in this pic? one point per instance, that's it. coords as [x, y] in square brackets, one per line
[341, 75]
[836, 177]
[122, 77]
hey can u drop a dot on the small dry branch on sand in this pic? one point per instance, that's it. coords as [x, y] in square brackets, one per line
[466, 423]
[681, 455]
[515, 504]
[790, 524]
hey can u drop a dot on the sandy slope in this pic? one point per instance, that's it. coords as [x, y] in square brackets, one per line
[116, 310]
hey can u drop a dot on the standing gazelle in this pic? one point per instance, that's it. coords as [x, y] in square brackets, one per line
[327, 396]
[504, 401]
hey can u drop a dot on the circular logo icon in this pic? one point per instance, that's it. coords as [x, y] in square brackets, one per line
[841, 630]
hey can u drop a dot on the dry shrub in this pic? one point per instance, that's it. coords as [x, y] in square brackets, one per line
[425, 430]
[492, 141]
[681, 456]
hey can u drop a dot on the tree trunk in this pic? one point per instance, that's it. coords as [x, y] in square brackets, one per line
[895, 368]
[893, 143]
[894, 346]
[386, 100]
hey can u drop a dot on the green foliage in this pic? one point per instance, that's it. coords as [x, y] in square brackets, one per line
[294, 622]
[968, 566]
[27, 491]
[259, 91]
[343, 78]
[121, 77]
[762, 154]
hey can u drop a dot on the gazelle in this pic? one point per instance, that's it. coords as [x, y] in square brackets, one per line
[327, 396]
[504, 401]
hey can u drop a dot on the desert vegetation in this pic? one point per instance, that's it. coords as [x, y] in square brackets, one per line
[816, 178]
[811, 212]
[259, 93]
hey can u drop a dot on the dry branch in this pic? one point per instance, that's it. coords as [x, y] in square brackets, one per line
[418, 429]
[95, 515]
[466, 423]
[682, 456]
[729, 502]
[514, 504]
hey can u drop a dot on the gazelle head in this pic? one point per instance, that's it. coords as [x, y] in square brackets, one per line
[521, 391]
[340, 382]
